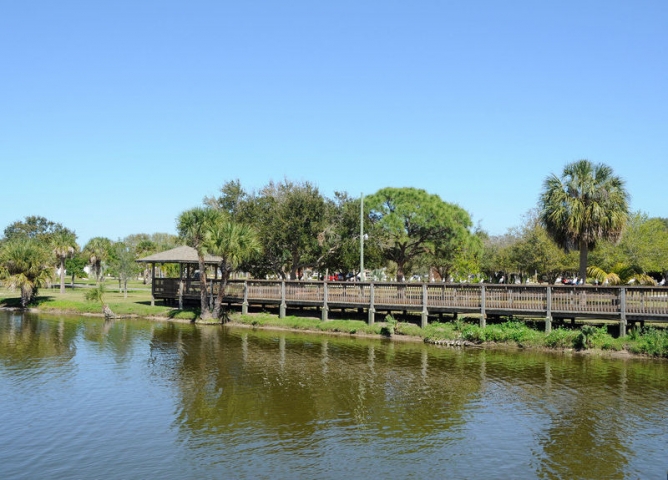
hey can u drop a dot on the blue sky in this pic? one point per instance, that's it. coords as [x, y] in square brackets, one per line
[116, 116]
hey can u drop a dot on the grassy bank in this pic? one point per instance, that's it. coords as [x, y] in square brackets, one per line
[651, 341]
[136, 303]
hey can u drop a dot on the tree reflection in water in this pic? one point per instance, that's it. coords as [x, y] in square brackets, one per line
[264, 403]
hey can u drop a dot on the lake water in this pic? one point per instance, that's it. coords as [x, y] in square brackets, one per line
[81, 398]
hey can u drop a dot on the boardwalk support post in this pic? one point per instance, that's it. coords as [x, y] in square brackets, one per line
[325, 308]
[244, 305]
[372, 308]
[424, 317]
[483, 313]
[548, 316]
[622, 306]
[282, 308]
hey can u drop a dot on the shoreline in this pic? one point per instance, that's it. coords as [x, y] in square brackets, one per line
[450, 343]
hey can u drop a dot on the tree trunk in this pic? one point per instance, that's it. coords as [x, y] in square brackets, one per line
[218, 302]
[583, 261]
[98, 272]
[295, 267]
[203, 291]
[400, 272]
[62, 275]
[25, 296]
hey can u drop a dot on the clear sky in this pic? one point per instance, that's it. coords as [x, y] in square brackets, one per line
[115, 116]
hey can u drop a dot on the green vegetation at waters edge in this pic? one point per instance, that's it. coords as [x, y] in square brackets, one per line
[651, 341]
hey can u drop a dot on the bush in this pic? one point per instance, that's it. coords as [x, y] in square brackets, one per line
[651, 342]
[584, 338]
[473, 333]
[391, 326]
[561, 338]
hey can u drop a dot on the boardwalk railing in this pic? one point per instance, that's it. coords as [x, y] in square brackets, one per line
[549, 301]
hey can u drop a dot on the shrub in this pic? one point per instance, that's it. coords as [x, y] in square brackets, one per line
[473, 333]
[391, 326]
[561, 338]
[651, 342]
[584, 338]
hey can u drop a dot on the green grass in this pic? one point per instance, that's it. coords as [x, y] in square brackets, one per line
[306, 323]
[138, 301]
[651, 341]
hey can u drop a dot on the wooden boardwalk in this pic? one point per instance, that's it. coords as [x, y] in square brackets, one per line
[625, 304]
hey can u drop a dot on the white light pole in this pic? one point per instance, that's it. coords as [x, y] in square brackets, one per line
[362, 238]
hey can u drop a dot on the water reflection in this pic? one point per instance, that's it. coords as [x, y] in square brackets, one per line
[27, 343]
[572, 414]
[250, 403]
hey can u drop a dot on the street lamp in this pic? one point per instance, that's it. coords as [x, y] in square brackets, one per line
[363, 237]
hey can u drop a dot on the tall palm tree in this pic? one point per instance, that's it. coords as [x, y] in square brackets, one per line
[193, 227]
[97, 250]
[144, 249]
[234, 243]
[24, 264]
[64, 245]
[586, 204]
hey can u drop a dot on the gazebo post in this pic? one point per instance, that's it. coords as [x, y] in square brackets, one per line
[153, 284]
[180, 286]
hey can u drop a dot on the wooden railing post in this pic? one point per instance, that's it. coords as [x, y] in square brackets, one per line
[509, 296]
[548, 316]
[325, 308]
[622, 306]
[244, 305]
[424, 317]
[483, 313]
[372, 309]
[282, 308]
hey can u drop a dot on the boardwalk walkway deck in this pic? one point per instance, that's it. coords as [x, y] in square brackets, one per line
[625, 304]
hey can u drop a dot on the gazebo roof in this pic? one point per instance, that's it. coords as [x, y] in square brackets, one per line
[182, 254]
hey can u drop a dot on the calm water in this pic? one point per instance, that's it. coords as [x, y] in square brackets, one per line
[81, 398]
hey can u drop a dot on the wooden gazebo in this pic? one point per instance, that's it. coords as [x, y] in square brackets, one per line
[186, 286]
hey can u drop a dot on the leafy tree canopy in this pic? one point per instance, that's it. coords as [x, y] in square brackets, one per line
[411, 222]
[535, 253]
[33, 226]
[292, 219]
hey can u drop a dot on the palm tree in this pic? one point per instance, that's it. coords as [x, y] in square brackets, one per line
[144, 249]
[587, 204]
[97, 250]
[24, 264]
[64, 244]
[193, 226]
[620, 274]
[234, 243]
